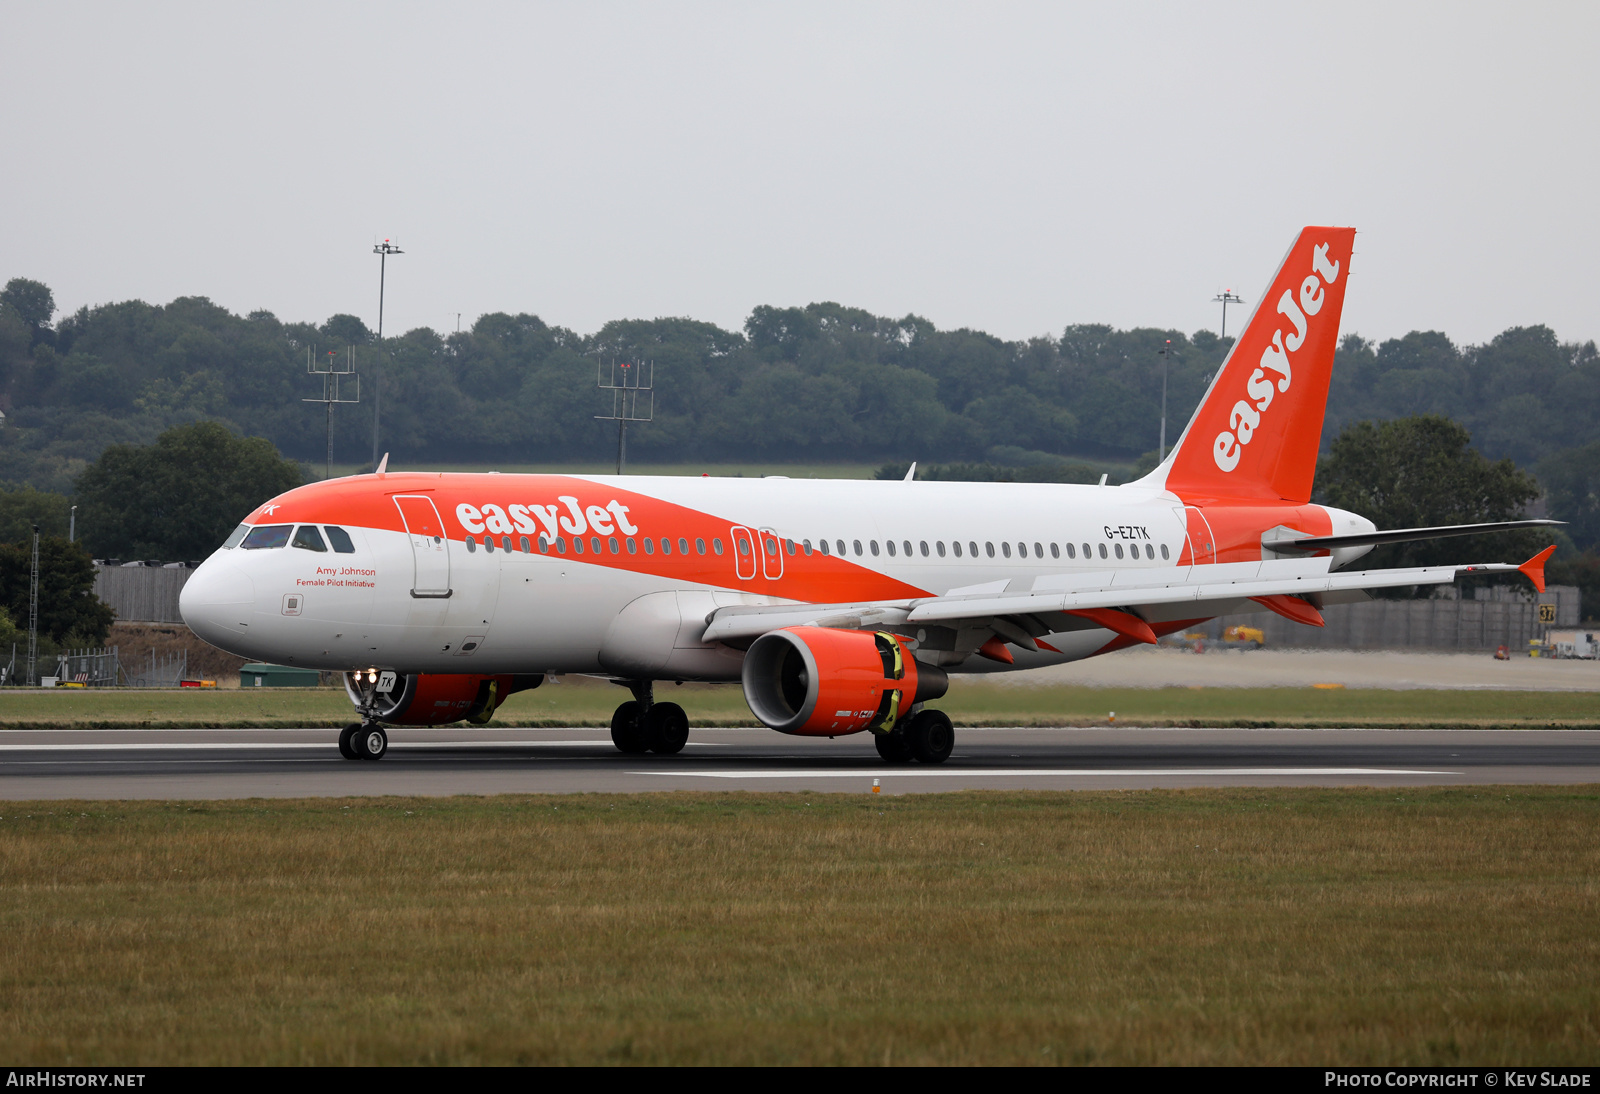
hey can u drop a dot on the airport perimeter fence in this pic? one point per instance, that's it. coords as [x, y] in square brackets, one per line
[1495, 616]
[98, 667]
[90, 667]
[101, 667]
[166, 671]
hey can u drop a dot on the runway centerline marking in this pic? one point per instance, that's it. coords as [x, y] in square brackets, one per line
[1018, 773]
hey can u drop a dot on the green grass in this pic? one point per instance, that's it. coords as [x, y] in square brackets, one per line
[1259, 926]
[581, 701]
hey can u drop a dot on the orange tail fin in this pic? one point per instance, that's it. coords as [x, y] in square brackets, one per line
[1256, 433]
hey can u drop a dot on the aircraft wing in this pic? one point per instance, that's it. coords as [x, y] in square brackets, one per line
[1110, 599]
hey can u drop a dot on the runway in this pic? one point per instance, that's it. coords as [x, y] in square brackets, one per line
[213, 764]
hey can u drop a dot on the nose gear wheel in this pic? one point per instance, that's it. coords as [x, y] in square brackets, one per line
[370, 743]
[626, 732]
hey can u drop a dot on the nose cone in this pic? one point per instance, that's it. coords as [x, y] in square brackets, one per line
[216, 600]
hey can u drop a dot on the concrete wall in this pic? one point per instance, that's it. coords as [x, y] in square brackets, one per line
[1495, 616]
[142, 594]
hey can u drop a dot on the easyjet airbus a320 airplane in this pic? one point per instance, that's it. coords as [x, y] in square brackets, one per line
[840, 606]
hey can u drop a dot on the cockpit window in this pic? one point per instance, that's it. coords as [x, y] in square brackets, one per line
[267, 535]
[340, 540]
[238, 533]
[308, 538]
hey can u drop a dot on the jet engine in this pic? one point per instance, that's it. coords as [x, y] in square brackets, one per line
[818, 682]
[431, 699]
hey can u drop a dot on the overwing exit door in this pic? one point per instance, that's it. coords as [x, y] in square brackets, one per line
[744, 552]
[771, 555]
[430, 548]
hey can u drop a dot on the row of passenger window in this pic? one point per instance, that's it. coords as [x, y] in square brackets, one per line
[307, 537]
[989, 549]
[596, 545]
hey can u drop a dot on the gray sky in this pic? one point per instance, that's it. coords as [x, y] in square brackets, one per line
[1013, 168]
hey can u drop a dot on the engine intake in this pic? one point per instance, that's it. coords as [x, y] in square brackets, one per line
[433, 699]
[819, 682]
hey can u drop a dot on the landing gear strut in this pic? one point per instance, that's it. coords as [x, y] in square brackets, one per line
[644, 725]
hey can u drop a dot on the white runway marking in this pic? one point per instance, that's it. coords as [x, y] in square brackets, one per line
[1018, 773]
[394, 746]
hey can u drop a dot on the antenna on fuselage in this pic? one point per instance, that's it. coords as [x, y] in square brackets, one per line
[911, 472]
[383, 465]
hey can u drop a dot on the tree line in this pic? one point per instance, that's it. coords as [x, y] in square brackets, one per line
[821, 382]
[142, 501]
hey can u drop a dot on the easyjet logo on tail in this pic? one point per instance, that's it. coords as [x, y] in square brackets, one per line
[1256, 433]
[1275, 369]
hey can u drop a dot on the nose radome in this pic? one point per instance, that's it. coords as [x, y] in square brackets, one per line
[215, 600]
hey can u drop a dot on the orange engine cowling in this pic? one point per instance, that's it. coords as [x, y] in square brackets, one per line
[432, 699]
[818, 682]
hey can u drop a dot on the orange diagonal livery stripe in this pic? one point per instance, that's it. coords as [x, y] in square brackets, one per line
[553, 506]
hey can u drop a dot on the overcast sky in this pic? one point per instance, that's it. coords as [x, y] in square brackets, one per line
[1013, 168]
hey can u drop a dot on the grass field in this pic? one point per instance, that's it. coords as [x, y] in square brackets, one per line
[582, 701]
[1423, 926]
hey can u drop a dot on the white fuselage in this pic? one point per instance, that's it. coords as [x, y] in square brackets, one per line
[624, 612]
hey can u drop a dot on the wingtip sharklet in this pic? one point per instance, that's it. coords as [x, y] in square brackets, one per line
[1534, 567]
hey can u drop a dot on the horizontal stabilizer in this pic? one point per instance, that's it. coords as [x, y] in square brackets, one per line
[1399, 535]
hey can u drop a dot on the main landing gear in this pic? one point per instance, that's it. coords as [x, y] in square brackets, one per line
[927, 737]
[644, 725]
[359, 741]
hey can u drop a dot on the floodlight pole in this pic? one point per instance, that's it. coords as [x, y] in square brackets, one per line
[328, 368]
[625, 399]
[383, 251]
[1166, 357]
[1226, 297]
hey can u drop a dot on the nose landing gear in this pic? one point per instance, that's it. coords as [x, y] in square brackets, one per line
[363, 742]
[643, 725]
